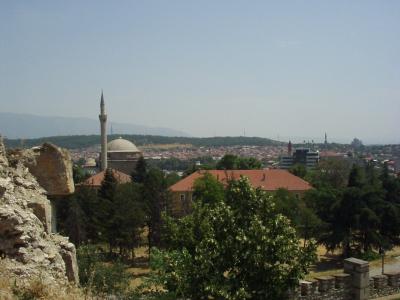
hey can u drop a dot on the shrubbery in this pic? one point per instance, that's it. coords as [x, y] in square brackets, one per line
[234, 245]
[100, 276]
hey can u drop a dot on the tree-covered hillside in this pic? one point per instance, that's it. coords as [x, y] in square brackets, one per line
[84, 141]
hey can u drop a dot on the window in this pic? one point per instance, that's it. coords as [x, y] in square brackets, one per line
[183, 197]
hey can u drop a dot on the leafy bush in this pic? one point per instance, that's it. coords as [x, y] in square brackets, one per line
[233, 246]
[369, 255]
[99, 276]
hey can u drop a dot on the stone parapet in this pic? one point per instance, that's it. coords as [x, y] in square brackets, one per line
[354, 283]
[393, 279]
[385, 285]
[326, 287]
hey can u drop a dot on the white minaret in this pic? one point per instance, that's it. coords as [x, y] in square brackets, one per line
[103, 126]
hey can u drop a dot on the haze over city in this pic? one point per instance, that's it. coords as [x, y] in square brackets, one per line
[287, 70]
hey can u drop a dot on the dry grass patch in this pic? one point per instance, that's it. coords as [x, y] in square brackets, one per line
[141, 268]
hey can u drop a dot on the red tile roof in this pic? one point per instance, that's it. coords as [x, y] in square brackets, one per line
[96, 180]
[267, 180]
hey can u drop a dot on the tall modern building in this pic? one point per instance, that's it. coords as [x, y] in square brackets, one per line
[304, 156]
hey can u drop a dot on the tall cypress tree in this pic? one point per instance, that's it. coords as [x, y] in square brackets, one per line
[108, 186]
[106, 210]
[139, 174]
[356, 178]
[76, 222]
[155, 196]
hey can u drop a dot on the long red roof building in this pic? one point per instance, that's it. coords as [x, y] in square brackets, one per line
[267, 180]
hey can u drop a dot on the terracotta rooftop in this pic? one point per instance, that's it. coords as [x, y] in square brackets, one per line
[96, 180]
[267, 180]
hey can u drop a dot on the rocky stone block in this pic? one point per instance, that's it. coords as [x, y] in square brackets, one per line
[42, 210]
[393, 279]
[52, 167]
[325, 283]
[380, 281]
[3, 155]
[342, 280]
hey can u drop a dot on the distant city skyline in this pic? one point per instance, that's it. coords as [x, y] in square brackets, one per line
[279, 70]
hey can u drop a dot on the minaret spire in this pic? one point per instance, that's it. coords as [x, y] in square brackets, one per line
[102, 106]
[103, 128]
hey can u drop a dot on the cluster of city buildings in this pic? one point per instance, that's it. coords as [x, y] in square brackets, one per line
[121, 156]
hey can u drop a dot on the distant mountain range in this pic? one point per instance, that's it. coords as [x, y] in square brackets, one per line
[16, 126]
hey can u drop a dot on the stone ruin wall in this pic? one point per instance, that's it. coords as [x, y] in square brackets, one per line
[353, 283]
[28, 248]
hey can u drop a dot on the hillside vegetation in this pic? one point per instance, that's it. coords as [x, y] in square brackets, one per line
[84, 141]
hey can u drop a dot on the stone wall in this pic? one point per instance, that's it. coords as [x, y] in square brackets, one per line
[354, 283]
[326, 287]
[384, 285]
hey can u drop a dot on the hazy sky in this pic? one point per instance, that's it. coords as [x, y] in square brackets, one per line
[271, 68]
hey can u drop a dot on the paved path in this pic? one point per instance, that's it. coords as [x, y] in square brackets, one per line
[391, 297]
[393, 266]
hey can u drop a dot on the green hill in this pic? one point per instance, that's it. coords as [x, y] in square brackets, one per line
[84, 141]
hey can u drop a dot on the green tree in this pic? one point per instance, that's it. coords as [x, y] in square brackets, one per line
[172, 178]
[330, 172]
[106, 209]
[139, 174]
[76, 215]
[75, 223]
[234, 247]
[356, 217]
[248, 163]
[79, 174]
[356, 177]
[129, 218]
[227, 162]
[233, 162]
[89, 202]
[391, 186]
[208, 189]
[299, 170]
[287, 204]
[155, 195]
[357, 144]
[108, 185]
[103, 279]
[303, 218]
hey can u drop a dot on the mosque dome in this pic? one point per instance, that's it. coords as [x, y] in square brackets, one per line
[121, 145]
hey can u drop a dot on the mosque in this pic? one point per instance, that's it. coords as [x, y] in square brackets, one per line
[119, 154]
